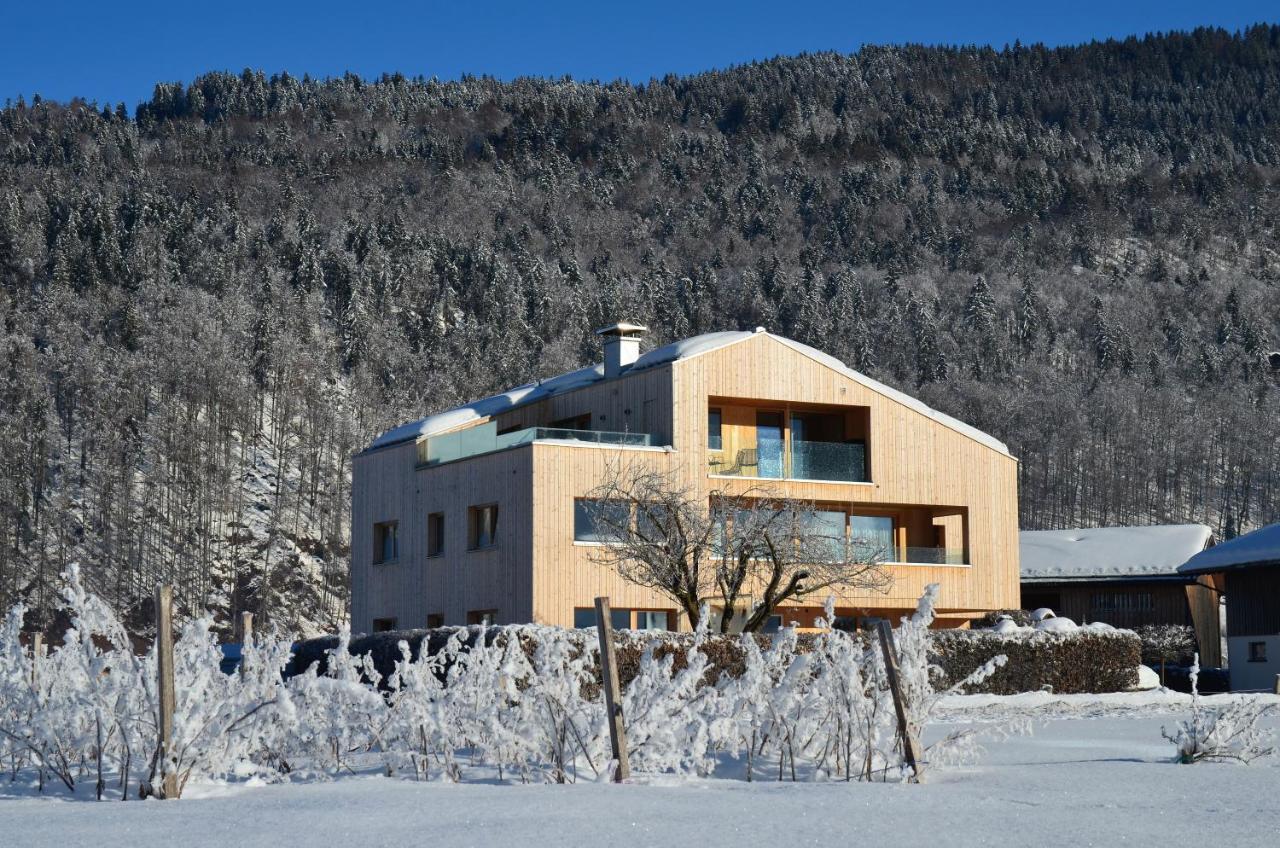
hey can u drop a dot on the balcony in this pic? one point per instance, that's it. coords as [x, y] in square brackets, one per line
[913, 555]
[804, 460]
[484, 438]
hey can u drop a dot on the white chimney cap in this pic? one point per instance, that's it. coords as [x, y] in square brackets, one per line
[622, 328]
[761, 330]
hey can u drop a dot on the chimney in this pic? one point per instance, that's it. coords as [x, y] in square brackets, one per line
[621, 346]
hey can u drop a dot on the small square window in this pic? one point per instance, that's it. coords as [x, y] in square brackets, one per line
[386, 544]
[435, 619]
[384, 625]
[1258, 652]
[483, 526]
[485, 618]
[435, 534]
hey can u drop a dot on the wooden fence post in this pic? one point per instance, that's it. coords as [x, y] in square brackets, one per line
[164, 671]
[37, 654]
[910, 745]
[612, 693]
[246, 637]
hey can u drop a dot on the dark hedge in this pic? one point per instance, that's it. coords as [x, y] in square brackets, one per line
[1083, 661]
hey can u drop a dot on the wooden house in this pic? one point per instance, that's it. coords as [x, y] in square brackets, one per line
[1247, 568]
[476, 514]
[1125, 577]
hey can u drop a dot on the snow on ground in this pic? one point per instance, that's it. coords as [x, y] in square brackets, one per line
[1098, 774]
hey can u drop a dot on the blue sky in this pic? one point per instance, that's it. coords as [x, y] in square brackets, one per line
[117, 51]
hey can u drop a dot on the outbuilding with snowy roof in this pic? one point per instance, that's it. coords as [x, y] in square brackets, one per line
[1248, 568]
[1125, 577]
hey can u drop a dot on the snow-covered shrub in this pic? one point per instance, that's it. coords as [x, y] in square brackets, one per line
[1233, 731]
[1166, 643]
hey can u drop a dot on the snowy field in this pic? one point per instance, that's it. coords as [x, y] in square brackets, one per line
[1093, 771]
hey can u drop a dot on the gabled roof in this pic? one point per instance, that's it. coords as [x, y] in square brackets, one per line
[676, 351]
[1103, 553]
[1259, 547]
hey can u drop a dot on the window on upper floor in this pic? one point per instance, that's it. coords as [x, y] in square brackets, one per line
[482, 526]
[715, 435]
[597, 520]
[435, 534]
[386, 543]
[573, 422]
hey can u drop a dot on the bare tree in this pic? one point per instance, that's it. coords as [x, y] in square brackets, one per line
[747, 552]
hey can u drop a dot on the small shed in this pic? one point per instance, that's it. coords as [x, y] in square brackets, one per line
[1250, 565]
[1125, 577]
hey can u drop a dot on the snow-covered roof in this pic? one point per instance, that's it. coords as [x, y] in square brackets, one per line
[1109, 552]
[1259, 547]
[680, 350]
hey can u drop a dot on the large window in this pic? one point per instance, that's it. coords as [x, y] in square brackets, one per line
[435, 534]
[482, 527]
[653, 620]
[871, 538]
[599, 520]
[826, 529]
[386, 544]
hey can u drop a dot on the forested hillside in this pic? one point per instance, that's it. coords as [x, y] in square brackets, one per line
[210, 303]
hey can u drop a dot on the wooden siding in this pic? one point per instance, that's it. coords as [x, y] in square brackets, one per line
[1076, 601]
[1253, 601]
[1204, 603]
[538, 573]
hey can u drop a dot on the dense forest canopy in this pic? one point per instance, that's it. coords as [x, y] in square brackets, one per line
[209, 305]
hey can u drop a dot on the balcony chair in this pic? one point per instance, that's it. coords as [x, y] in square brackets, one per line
[747, 458]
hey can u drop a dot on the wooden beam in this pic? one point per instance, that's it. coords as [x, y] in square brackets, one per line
[612, 691]
[164, 672]
[910, 745]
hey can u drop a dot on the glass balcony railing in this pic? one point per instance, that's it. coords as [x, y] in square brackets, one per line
[484, 439]
[829, 461]
[808, 460]
[930, 556]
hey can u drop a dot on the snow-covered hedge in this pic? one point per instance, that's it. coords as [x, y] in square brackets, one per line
[1071, 659]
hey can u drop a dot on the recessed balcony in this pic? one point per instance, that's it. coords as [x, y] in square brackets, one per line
[787, 442]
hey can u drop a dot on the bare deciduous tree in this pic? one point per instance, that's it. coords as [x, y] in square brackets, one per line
[747, 552]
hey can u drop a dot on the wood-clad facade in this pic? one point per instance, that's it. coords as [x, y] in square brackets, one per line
[950, 495]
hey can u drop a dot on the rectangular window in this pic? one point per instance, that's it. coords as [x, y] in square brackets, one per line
[435, 619]
[871, 537]
[1258, 652]
[600, 520]
[485, 618]
[826, 530]
[1123, 602]
[715, 437]
[384, 625]
[584, 617]
[653, 620]
[575, 422]
[435, 534]
[386, 547]
[772, 624]
[483, 529]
